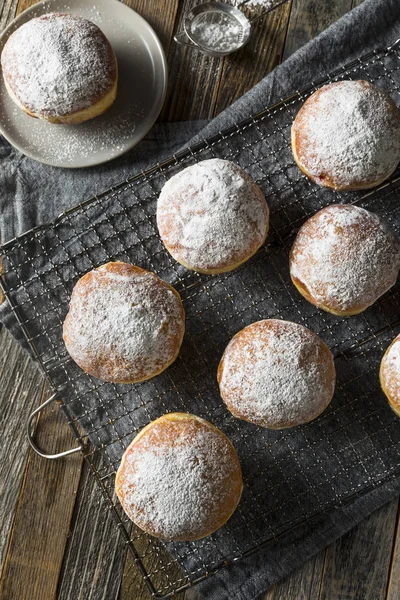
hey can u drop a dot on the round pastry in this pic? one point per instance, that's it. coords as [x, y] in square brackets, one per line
[60, 68]
[124, 324]
[346, 136]
[276, 374]
[343, 259]
[180, 478]
[389, 375]
[212, 217]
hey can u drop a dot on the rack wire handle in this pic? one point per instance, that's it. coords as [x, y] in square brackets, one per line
[30, 434]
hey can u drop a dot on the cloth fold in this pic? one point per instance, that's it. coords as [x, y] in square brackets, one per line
[33, 193]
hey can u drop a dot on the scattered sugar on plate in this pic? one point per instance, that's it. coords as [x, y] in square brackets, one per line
[80, 141]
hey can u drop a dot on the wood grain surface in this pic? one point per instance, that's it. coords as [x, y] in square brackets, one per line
[57, 538]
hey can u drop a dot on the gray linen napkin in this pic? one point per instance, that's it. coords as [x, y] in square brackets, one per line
[34, 193]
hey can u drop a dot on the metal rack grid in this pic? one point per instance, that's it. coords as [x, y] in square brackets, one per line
[292, 477]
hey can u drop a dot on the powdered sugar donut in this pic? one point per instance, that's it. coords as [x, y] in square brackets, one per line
[180, 478]
[276, 374]
[346, 136]
[343, 259]
[389, 375]
[212, 216]
[60, 68]
[124, 323]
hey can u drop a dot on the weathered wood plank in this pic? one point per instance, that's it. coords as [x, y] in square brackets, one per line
[21, 388]
[133, 586]
[309, 17]
[242, 70]
[32, 524]
[201, 87]
[303, 584]
[393, 589]
[24, 4]
[193, 78]
[357, 565]
[7, 12]
[160, 15]
[94, 555]
[43, 514]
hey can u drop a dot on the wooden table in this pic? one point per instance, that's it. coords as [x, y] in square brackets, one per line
[57, 538]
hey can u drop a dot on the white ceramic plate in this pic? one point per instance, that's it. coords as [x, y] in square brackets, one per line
[141, 91]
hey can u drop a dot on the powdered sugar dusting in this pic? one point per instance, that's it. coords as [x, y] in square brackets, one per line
[124, 323]
[265, 4]
[212, 215]
[276, 374]
[108, 136]
[217, 31]
[181, 480]
[58, 64]
[345, 257]
[348, 132]
[390, 371]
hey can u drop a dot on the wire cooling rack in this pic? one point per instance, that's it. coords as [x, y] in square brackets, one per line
[292, 477]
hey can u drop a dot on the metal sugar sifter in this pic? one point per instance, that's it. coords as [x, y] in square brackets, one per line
[218, 29]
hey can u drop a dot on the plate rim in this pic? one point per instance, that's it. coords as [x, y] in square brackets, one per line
[163, 64]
